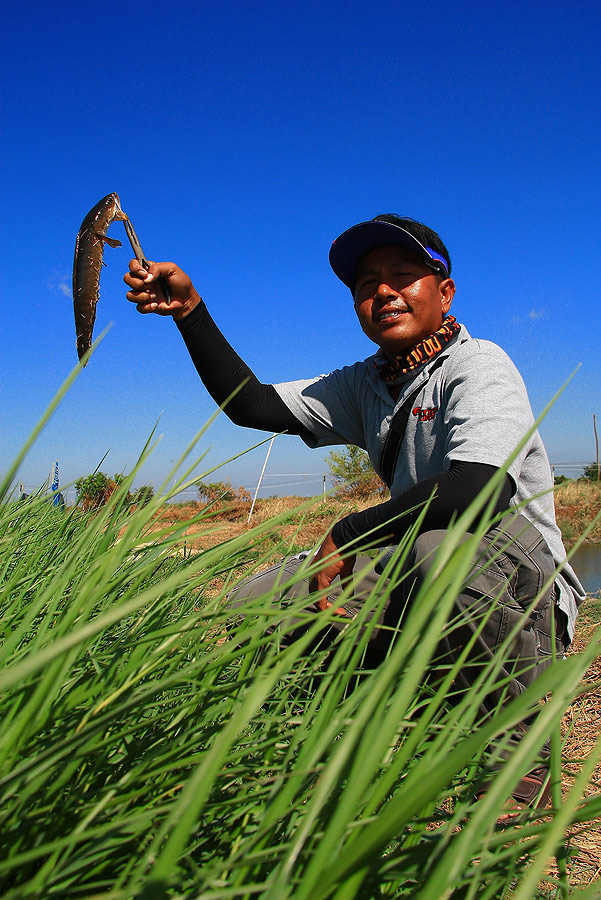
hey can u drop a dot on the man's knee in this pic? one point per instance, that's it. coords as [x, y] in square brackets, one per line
[425, 547]
[269, 582]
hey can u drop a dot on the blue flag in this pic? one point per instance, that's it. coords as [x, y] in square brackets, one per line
[54, 485]
[57, 497]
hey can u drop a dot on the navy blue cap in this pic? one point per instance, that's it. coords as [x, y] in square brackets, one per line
[348, 249]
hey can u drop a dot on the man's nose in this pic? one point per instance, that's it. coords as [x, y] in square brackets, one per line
[384, 290]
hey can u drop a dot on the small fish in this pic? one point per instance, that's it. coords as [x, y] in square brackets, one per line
[87, 264]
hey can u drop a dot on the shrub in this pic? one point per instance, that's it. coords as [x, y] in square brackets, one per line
[591, 472]
[221, 492]
[353, 472]
[143, 495]
[94, 490]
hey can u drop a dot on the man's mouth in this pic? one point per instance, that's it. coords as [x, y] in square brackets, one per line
[389, 315]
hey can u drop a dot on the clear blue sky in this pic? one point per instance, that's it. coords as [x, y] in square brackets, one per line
[242, 138]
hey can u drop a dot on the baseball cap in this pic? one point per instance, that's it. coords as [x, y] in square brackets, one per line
[355, 242]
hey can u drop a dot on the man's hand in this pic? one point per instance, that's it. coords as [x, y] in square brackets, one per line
[335, 565]
[145, 290]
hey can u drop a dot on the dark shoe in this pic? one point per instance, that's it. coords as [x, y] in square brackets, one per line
[533, 791]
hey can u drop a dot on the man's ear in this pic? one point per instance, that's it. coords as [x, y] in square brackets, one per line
[447, 292]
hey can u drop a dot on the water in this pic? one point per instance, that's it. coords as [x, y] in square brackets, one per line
[586, 562]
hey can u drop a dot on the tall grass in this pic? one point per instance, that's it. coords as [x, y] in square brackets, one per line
[150, 747]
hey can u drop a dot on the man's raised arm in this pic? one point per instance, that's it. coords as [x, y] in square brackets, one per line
[255, 405]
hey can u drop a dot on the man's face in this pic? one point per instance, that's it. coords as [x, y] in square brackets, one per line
[399, 301]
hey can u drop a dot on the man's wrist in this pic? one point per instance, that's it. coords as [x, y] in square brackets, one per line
[342, 533]
[188, 307]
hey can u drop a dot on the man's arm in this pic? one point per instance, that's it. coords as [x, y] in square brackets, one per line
[255, 405]
[453, 492]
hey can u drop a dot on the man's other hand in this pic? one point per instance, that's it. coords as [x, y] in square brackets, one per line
[334, 565]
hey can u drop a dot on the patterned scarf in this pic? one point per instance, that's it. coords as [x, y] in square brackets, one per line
[421, 353]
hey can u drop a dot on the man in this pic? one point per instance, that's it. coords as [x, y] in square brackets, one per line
[466, 410]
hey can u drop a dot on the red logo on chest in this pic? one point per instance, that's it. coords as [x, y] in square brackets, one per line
[425, 415]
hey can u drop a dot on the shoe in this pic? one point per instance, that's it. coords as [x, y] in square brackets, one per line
[533, 791]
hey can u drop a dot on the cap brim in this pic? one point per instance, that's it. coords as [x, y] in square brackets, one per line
[348, 249]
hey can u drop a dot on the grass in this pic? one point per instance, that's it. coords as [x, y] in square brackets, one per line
[151, 748]
[576, 505]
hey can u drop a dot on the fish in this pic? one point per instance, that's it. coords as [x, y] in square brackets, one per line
[87, 264]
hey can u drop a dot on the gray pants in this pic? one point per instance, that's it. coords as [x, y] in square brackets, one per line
[510, 569]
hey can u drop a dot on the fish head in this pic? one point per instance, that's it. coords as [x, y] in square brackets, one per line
[118, 213]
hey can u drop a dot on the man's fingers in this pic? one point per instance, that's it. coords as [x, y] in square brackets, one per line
[139, 277]
[324, 603]
[145, 289]
[321, 582]
[141, 297]
[157, 306]
[146, 308]
[136, 269]
[162, 288]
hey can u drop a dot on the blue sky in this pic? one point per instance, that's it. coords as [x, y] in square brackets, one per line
[242, 138]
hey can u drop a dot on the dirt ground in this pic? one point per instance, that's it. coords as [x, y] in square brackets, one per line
[581, 725]
[582, 729]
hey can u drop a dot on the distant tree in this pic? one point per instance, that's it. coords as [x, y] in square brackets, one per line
[142, 495]
[561, 479]
[590, 472]
[94, 490]
[352, 470]
[221, 491]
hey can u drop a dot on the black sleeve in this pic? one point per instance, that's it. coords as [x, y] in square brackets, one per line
[454, 491]
[256, 405]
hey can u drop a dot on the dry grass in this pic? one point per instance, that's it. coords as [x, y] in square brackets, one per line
[576, 504]
[307, 526]
[581, 728]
